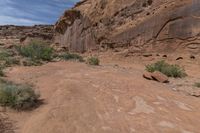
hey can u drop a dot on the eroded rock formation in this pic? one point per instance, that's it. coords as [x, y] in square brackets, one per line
[138, 25]
[10, 34]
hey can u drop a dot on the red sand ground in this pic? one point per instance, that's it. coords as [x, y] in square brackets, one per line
[105, 99]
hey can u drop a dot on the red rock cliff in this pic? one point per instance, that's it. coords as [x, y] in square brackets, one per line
[138, 25]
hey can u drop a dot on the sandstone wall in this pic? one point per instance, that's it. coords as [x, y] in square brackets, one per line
[139, 25]
[176, 30]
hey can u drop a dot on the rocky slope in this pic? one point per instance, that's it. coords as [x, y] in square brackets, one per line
[10, 34]
[138, 25]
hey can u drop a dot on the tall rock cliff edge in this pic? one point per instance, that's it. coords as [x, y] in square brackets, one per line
[138, 25]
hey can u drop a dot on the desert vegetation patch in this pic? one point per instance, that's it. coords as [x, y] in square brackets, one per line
[17, 96]
[36, 50]
[169, 70]
[93, 61]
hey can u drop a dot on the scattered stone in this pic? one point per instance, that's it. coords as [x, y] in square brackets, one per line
[160, 77]
[148, 75]
[195, 93]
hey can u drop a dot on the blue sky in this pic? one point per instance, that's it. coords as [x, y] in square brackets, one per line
[30, 12]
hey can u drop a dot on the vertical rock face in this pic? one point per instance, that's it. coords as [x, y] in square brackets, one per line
[139, 25]
[75, 31]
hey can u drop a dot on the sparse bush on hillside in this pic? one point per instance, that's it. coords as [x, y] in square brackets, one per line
[7, 60]
[19, 97]
[167, 69]
[197, 84]
[93, 61]
[71, 56]
[36, 50]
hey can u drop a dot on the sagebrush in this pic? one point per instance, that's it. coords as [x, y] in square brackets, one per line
[167, 69]
[93, 61]
[19, 97]
[36, 50]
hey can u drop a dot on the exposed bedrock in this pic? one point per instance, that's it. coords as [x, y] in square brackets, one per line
[139, 25]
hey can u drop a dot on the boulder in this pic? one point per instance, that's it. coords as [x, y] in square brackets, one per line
[160, 77]
[148, 75]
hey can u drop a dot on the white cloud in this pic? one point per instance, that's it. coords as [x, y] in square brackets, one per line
[4, 20]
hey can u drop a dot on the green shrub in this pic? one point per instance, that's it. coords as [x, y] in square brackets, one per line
[19, 97]
[36, 50]
[71, 56]
[167, 69]
[197, 84]
[93, 61]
